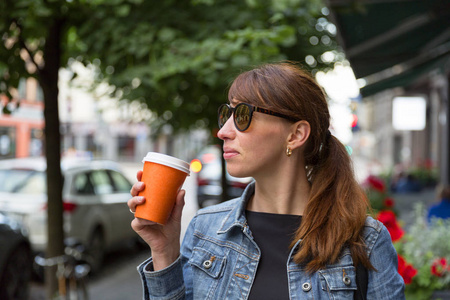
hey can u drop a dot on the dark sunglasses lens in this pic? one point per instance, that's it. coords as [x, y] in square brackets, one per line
[224, 114]
[242, 117]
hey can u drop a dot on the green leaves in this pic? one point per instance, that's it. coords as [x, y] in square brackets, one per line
[180, 51]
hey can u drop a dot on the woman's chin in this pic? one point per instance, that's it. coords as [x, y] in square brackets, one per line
[239, 173]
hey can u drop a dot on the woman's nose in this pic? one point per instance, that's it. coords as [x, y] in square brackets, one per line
[227, 131]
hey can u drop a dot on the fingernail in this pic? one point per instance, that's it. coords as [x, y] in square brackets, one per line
[140, 199]
[140, 184]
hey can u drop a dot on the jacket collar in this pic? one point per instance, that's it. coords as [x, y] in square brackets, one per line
[236, 217]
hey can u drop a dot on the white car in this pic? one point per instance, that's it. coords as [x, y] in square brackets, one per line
[95, 193]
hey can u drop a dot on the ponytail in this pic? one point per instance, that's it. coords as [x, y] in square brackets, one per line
[336, 211]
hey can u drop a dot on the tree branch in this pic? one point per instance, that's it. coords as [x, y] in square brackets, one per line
[25, 47]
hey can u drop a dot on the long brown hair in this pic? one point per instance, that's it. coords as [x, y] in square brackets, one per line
[337, 207]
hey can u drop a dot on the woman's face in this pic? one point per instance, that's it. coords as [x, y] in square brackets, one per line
[258, 150]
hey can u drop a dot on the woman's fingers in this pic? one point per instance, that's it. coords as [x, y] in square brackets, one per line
[178, 207]
[136, 188]
[139, 175]
[135, 201]
[142, 222]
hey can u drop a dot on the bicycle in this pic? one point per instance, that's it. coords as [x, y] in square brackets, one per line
[72, 270]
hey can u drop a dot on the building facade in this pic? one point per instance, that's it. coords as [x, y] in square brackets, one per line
[91, 125]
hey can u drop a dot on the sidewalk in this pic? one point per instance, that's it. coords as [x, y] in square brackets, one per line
[406, 204]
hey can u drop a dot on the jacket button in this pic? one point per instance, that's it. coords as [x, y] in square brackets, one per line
[346, 280]
[207, 264]
[306, 287]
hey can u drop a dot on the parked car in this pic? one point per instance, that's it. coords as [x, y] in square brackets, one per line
[95, 193]
[15, 260]
[209, 178]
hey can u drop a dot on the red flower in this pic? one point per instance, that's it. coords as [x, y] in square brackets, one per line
[388, 202]
[407, 271]
[428, 164]
[388, 218]
[439, 267]
[376, 183]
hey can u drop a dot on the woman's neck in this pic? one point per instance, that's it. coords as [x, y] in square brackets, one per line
[285, 193]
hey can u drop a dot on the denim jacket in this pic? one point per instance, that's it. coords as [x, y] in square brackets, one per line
[219, 260]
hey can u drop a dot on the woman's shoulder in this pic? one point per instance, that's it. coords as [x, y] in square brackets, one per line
[223, 207]
[372, 224]
[375, 232]
[212, 219]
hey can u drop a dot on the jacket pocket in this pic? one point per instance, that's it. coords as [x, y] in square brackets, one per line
[339, 282]
[208, 262]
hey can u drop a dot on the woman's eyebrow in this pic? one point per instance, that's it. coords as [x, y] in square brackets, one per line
[234, 101]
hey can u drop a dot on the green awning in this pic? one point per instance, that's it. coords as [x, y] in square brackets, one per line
[392, 43]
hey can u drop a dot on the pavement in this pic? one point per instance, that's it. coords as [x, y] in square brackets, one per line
[407, 204]
[118, 280]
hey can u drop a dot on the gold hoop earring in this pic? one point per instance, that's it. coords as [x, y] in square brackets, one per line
[288, 152]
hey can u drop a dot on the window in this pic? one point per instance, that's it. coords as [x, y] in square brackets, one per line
[92, 146]
[126, 147]
[39, 94]
[22, 88]
[101, 182]
[36, 142]
[10, 179]
[7, 142]
[82, 185]
[121, 184]
[36, 184]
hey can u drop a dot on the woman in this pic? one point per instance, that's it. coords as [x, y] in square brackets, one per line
[298, 231]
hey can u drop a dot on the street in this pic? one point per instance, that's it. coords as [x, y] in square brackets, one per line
[119, 279]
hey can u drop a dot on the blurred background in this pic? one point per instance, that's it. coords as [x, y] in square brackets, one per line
[112, 80]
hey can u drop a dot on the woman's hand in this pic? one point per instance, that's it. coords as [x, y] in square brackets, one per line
[164, 240]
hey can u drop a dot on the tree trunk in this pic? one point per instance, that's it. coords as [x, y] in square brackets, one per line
[49, 83]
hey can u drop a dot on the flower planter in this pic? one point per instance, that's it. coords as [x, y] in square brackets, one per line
[443, 295]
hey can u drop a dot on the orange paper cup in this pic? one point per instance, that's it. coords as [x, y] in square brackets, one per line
[163, 176]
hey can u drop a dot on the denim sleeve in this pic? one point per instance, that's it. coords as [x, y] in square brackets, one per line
[173, 282]
[186, 254]
[385, 282]
[165, 284]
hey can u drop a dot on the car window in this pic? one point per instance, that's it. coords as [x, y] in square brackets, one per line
[101, 182]
[82, 185]
[35, 184]
[22, 181]
[9, 179]
[121, 184]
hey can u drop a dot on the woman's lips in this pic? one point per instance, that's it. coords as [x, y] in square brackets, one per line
[229, 153]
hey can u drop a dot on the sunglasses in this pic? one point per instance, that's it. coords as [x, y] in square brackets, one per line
[243, 113]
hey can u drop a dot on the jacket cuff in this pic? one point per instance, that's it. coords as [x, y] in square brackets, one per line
[164, 284]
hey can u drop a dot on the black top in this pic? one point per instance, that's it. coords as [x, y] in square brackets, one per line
[273, 234]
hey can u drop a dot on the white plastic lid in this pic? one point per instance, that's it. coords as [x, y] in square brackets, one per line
[167, 160]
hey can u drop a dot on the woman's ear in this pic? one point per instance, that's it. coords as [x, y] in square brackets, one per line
[300, 132]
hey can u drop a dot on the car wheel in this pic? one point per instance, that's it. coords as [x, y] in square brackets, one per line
[96, 250]
[14, 282]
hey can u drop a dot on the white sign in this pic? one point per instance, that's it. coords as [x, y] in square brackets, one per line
[409, 113]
